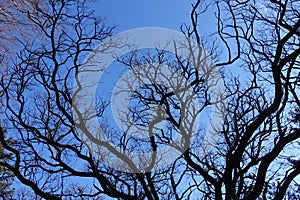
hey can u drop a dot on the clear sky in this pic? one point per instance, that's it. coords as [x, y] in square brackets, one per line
[171, 14]
[141, 13]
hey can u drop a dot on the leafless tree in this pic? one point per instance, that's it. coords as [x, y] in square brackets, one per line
[254, 154]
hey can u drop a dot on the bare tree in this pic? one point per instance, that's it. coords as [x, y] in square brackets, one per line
[253, 156]
[16, 29]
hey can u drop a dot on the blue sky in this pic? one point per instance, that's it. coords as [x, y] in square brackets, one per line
[140, 13]
[130, 14]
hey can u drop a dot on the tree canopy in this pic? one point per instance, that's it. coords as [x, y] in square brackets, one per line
[6, 192]
[253, 152]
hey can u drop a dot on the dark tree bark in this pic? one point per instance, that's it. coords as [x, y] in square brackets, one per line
[253, 155]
